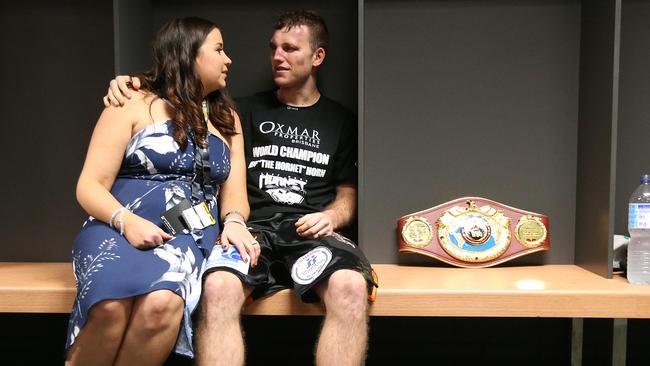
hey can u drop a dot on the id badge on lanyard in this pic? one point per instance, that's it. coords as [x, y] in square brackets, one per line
[185, 217]
[198, 217]
[188, 216]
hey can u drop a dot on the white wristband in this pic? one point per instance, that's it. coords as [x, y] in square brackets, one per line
[232, 219]
[233, 212]
[120, 221]
[111, 222]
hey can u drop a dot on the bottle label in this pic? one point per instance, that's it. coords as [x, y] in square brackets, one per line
[639, 216]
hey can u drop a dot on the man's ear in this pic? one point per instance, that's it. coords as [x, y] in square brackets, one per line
[318, 57]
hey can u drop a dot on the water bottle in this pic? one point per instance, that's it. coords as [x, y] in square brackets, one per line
[638, 250]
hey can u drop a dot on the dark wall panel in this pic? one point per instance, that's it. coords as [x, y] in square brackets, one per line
[247, 27]
[633, 158]
[596, 142]
[57, 59]
[133, 35]
[470, 98]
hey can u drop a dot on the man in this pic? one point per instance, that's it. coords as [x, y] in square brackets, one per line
[301, 156]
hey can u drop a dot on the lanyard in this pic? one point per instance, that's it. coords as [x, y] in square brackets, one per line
[201, 179]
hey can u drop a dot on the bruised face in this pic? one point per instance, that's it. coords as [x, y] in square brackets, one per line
[292, 57]
[212, 62]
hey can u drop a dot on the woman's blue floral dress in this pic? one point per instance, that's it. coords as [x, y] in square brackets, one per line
[155, 175]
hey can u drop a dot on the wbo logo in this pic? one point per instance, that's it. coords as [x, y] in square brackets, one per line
[311, 265]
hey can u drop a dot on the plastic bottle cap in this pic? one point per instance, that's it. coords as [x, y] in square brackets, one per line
[645, 178]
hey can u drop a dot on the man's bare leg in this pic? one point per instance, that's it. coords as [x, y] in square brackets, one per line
[219, 339]
[344, 338]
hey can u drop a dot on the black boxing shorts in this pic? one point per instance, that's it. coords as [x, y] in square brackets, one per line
[288, 260]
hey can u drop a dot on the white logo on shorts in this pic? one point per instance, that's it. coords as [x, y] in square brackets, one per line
[308, 267]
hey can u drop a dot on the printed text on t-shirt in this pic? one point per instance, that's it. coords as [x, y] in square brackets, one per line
[304, 136]
[291, 152]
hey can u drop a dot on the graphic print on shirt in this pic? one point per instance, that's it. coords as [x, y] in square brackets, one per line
[284, 187]
[295, 156]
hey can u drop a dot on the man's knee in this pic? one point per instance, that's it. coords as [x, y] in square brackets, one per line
[223, 289]
[347, 289]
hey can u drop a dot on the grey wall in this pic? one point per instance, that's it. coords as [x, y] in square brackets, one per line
[56, 59]
[470, 98]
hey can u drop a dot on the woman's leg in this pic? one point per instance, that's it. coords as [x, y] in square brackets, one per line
[100, 338]
[152, 330]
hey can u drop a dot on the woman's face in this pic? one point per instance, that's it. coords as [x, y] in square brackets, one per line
[212, 63]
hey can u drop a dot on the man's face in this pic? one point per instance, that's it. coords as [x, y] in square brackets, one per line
[292, 58]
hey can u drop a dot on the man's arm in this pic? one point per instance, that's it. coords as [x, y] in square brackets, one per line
[336, 215]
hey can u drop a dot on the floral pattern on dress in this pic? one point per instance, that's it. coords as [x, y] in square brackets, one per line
[154, 137]
[182, 270]
[84, 268]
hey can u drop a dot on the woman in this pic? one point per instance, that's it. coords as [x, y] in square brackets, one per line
[137, 285]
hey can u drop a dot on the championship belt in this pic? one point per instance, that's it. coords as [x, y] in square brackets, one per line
[473, 232]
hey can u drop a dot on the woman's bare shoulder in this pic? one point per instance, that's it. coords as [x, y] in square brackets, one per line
[134, 111]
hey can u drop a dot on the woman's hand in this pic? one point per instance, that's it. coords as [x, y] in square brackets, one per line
[141, 233]
[234, 233]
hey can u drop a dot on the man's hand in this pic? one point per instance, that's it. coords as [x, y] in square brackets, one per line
[317, 225]
[119, 90]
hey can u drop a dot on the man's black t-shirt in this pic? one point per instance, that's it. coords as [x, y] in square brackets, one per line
[296, 156]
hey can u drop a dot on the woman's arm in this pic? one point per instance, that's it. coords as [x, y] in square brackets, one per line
[233, 201]
[103, 160]
[105, 153]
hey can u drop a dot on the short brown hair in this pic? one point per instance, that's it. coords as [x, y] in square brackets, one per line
[311, 19]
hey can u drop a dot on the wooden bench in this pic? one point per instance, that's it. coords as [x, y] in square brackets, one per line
[552, 291]
[566, 291]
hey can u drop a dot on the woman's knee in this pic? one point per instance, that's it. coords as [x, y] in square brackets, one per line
[111, 312]
[111, 315]
[159, 310]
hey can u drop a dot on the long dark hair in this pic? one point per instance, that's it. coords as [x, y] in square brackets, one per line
[173, 77]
